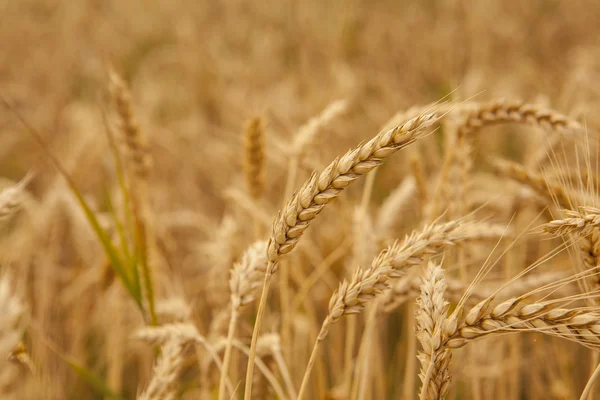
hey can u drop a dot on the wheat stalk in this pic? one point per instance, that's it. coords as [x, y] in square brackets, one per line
[351, 297]
[314, 195]
[246, 277]
[140, 164]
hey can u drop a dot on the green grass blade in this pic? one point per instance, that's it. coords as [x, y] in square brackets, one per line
[102, 235]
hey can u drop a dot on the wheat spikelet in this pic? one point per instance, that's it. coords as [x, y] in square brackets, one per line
[431, 314]
[163, 385]
[135, 140]
[254, 157]
[247, 275]
[352, 297]
[321, 188]
[582, 222]
[578, 325]
[501, 111]
[590, 255]
[459, 161]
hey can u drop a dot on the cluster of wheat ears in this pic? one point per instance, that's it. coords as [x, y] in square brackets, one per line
[435, 275]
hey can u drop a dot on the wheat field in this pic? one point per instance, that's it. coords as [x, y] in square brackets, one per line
[293, 200]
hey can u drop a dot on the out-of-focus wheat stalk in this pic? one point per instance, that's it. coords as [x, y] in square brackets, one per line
[246, 277]
[139, 162]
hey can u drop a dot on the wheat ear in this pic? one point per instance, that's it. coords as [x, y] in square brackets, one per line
[183, 333]
[254, 157]
[582, 222]
[579, 325]
[140, 164]
[314, 195]
[163, 385]
[245, 279]
[431, 313]
[351, 297]
[459, 161]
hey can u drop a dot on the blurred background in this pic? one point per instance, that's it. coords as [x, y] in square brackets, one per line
[197, 71]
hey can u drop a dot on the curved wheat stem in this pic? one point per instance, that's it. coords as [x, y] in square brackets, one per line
[351, 297]
[314, 195]
[245, 279]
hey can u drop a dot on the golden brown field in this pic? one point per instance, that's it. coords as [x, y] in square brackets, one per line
[342, 200]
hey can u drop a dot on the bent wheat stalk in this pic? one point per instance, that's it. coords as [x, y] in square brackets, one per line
[245, 279]
[351, 298]
[314, 195]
